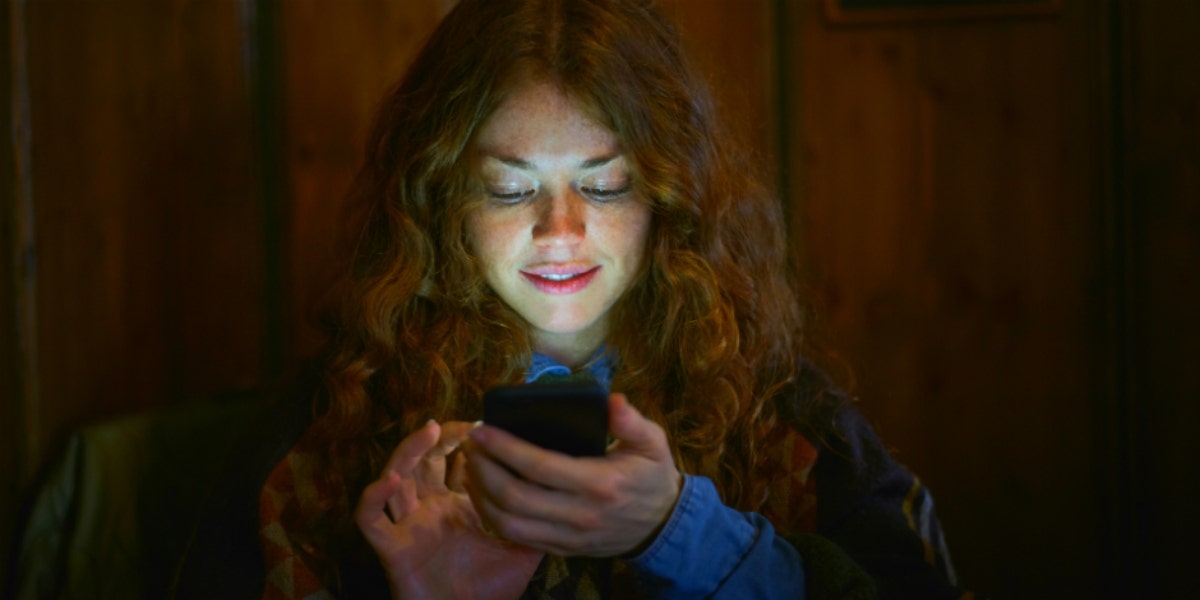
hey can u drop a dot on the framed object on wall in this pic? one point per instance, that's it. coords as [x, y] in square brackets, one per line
[885, 11]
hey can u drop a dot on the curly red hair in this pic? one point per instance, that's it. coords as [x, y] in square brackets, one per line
[705, 339]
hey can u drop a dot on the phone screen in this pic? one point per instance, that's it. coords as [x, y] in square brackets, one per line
[571, 418]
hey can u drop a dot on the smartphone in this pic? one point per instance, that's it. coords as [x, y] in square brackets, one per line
[571, 418]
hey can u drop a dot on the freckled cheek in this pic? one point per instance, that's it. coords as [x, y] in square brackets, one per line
[496, 243]
[479, 242]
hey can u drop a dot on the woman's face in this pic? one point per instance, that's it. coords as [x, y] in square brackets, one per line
[560, 232]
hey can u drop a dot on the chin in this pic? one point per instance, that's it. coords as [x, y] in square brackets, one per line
[565, 324]
[564, 328]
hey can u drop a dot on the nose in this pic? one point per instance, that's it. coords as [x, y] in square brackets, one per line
[561, 220]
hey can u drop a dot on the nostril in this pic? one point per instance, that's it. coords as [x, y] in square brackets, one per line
[559, 228]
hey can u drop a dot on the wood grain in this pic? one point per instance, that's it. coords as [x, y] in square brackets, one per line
[1161, 197]
[149, 256]
[951, 220]
[18, 394]
[338, 66]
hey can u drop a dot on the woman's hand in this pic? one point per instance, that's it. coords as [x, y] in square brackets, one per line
[604, 506]
[425, 531]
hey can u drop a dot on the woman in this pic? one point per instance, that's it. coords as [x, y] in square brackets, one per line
[547, 189]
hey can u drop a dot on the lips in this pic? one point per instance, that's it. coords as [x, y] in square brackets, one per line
[560, 280]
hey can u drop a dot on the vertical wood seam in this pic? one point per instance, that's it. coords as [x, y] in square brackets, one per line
[1123, 566]
[264, 73]
[779, 47]
[24, 245]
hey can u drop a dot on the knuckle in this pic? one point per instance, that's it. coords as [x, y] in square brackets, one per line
[607, 488]
[587, 520]
[509, 495]
[504, 529]
[537, 470]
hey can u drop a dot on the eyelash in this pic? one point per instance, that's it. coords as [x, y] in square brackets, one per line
[511, 197]
[604, 195]
[596, 194]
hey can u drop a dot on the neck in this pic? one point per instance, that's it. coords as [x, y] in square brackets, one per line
[570, 350]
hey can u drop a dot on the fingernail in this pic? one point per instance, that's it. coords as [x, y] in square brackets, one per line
[476, 424]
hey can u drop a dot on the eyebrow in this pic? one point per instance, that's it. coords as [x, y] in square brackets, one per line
[519, 163]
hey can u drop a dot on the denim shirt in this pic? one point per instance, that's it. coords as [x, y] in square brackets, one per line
[706, 548]
[599, 365]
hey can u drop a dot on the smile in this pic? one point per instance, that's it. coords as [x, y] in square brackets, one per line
[561, 283]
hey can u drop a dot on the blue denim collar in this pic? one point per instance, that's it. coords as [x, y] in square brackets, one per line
[600, 365]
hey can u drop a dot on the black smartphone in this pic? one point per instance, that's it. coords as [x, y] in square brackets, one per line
[571, 418]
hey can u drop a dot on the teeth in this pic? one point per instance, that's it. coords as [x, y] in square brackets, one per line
[555, 277]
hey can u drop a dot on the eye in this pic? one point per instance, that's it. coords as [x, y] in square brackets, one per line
[510, 197]
[604, 194]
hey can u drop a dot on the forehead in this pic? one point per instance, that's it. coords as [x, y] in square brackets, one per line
[540, 122]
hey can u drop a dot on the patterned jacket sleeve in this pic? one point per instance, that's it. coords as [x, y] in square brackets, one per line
[876, 510]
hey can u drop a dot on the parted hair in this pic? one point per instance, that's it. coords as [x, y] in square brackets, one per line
[706, 337]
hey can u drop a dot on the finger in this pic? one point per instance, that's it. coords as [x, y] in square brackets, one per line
[404, 498]
[529, 528]
[453, 434]
[543, 536]
[484, 477]
[634, 432]
[369, 515]
[494, 485]
[538, 465]
[458, 473]
[404, 462]
[408, 453]
[431, 470]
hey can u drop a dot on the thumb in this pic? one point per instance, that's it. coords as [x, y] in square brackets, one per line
[634, 432]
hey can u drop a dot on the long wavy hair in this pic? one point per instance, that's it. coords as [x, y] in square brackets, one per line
[705, 338]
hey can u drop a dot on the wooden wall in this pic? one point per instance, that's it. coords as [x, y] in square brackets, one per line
[1156, 169]
[133, 240]
[997, 215]
[952, 213]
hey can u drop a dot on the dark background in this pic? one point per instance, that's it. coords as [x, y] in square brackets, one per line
[997, 211]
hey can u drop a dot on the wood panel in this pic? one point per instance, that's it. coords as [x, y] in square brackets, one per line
[338, 65]
[14, 308]
[894, 11]
[1161, 200]
[146, 268]
[734, 46]
[149, 235]
[949, 210]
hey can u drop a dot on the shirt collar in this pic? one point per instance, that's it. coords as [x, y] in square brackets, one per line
[599, 365]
